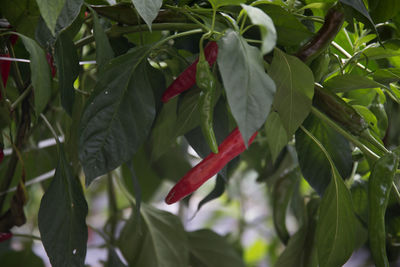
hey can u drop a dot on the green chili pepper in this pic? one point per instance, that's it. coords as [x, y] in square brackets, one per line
[343, 113]
[205, 80]
[379, 186]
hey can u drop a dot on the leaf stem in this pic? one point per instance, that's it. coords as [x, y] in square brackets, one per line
[21, 97]
[368, 152]
[28, 236]
[53, 132]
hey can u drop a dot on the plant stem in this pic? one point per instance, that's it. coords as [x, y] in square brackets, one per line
[116, 30]
[50, 128]
[113, 208]
[21, 97]
[28, 236]
[368, 152]
[345, 53]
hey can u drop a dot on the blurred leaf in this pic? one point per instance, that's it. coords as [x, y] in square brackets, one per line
[50, 10]
[313, 163]
[295, 90]
[217, 191]
[276, 134]
[267, 28]
[21, 258]
[348, 82]
[104, 52]
[383, 10]
[282, 193]
[148, 9]
[219, 3]
[40, 72]
[335, 233]
[22, 14]
[158, 241]
[208, 249]
[387, 76]
[248, 88]
[119, 114]
[62, 216]
[374, 53]
[67, 62]
[114, 260]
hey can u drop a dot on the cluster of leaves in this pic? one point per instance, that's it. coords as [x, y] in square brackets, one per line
[111, 122]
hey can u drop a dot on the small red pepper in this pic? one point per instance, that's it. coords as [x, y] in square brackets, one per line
[1, 155]
[5, 236]
[50, 60]
[188, 77]
[5, 68]
[230, 148]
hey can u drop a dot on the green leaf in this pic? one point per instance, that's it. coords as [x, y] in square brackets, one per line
[289, 29]
[314, 165]
[119, 115]
[248, 88]
[335, 239]
[359, 6]
[68, 14]
[267, 28]
[22, 14]
[219, 3]
[383, 10]
[208, 249]
[113, 259]
[387, 76]
[159, 240]
[50, 10]
[295, 89]
[348, 82]
[24, 257]
[104, 52]
[62, 216]
[281, 195]
[40, 73]
[67, 62]
[148, 9]
[276, 134]
[374, 53]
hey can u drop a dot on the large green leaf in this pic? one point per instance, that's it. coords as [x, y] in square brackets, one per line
[295, 89]
[67, 62]
[387, 76]
[267, 28]
[156, 240]
[335, 236]
[314, 165]
[383, 10]
[119, 115]
[40, 73]
[348, 82]
[62, 216]
[248, 88]
[50, 10]
[208, 249]
[148, 9]
[104, 52]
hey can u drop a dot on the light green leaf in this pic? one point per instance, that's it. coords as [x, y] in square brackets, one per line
[208, 249]
[219, 3]
[119, 115]
[156, 240]
[62, 216]
[50, 10]
[348, 82]
[276, 134]
[295, 90]
[248, 88]
[40, 72]
[148, 9]
[67, 61]
[267, 28]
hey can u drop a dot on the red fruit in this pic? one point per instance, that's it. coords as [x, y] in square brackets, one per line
[5, 68]
[5, 236]
[53, 68]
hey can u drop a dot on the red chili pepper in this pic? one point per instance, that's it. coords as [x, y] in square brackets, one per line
[1, 155]
[5, 236]
[188, 77]
[230, 148]
[50, 60]
[5, 68]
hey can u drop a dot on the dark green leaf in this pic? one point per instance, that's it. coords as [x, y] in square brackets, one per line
[119, 115]
[158, 241]
[294, 90]
[50, 10]
[218, 190]
[276, 134]
[40, 72]
[314, 165]
[387, 76]
[21, 258]
[281, 195]
[68, 15]
[359, 6]
[219, 3]
[383, 10]
[148, 9]
[335, 233]
[22, 14]
[104, 52]
[374, 53]
[208, 249]
[248, 88]
[267, 28]
[62, 216]
[348, 82]
[113, 259]
[67, 63]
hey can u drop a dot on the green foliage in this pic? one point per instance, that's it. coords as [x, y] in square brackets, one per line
[323, 154]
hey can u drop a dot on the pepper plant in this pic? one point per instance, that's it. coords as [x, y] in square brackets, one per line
[124, 98]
